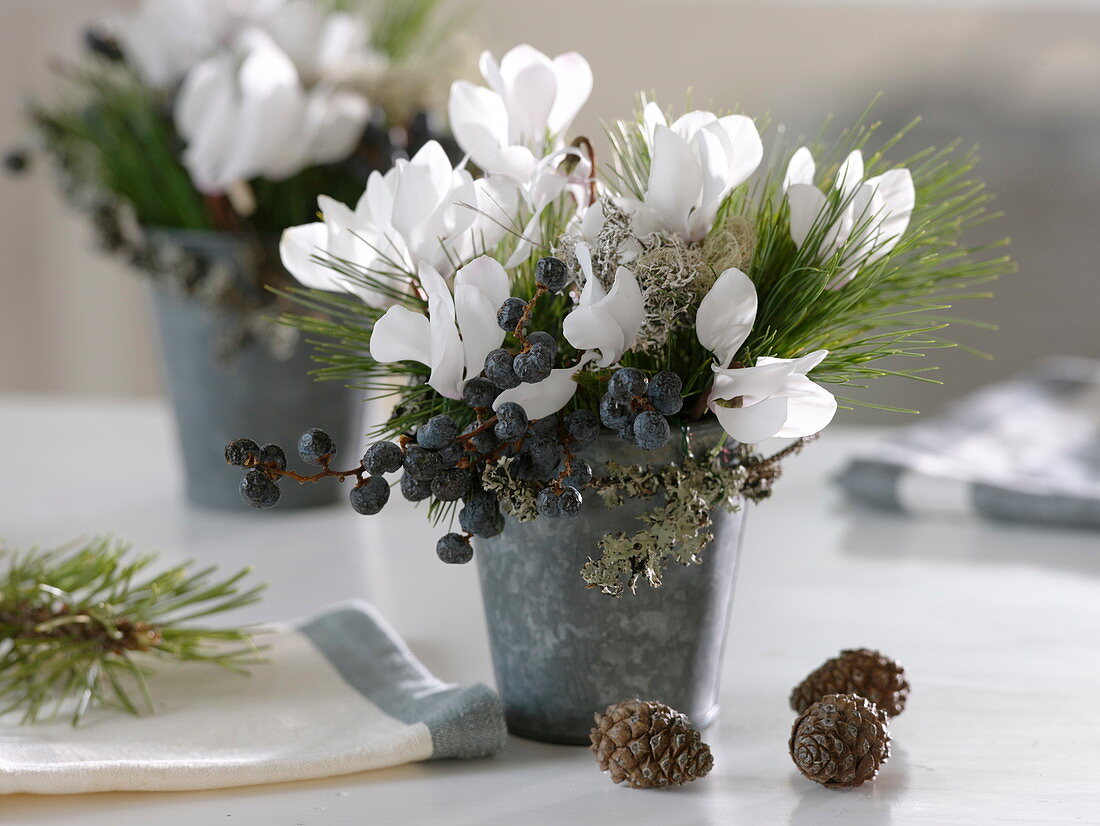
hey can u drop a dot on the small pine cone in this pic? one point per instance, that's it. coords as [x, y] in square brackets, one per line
[840, 741]
[649, 745]
[859, 671]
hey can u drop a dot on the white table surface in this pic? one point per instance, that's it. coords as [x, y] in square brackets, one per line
[999, 628]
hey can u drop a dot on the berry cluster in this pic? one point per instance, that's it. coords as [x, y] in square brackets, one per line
[635, 407]
[540, 349]
[444, 461]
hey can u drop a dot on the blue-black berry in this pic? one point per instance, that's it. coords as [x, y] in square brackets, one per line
[510, 313]
[543, 342]
[316, 447]
[664, 393]
[451, 485]
[552, 273]
[481, 515]
[452, 454]
[371, 496]
[546, 428]
[437, 433]
[532, 367]
[548, 504]
[511, 422]
[382, 457]
[626, 384]
[545, 456]
[242, 452]
[651, 430]
[273, 456]
[414, 489]
[499, 369]
[479, 392]
[569, 502]
[614, 413]
[15, 161]
[102, 45]
[583, 426]
[454, 549]
[421, 463]
[580, 474]
[258, 490]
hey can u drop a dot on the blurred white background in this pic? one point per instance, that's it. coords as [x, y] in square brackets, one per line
[1018, 78]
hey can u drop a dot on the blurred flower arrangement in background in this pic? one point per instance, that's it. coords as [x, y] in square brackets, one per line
[231, 116]
[519, 311]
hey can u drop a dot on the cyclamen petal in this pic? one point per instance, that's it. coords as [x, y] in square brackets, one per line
[297, 247]
[774, 398]
[800, 169]
[875, 212]
[726, 315]
[476, 315]
[754, 423]
[574, 87]
[401, 335]
[546, 397]
[810, 408]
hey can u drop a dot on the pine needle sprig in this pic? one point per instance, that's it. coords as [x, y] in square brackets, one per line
[83, 628]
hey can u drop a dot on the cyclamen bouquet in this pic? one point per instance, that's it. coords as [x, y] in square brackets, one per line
[517, 314]
[233, 115]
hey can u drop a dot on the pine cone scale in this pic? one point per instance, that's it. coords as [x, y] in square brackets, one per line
[859, 671]
[648, 745]
[841, 740]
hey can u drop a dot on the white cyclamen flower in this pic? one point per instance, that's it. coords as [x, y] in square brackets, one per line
[603, 325]
[504, 128]
[876, 211]
[458, 332]
[774, 398]
[604, 322]
[420, 212]
[247, 114]
[694, 165]
[164, 39]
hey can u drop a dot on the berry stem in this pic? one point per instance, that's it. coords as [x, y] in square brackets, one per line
[523, 319]
[340, 475]
[481, 428]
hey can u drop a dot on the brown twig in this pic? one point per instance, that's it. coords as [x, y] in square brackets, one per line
[326, 473]
[523, 319]
[581, 142]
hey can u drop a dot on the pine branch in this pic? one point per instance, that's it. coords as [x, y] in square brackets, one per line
[81, 628]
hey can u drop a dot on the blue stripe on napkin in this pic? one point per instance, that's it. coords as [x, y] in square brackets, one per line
[464, 722]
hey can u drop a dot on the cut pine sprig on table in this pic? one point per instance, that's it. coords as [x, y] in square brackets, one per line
[83, 626]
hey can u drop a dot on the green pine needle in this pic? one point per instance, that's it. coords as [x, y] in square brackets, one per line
[82, 628]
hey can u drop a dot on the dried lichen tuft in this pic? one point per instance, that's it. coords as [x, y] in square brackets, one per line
[516, 496]
[676, 531]
[672, 274]
[730, 244]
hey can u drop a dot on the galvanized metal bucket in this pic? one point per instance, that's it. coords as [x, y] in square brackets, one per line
[562, 652]
[252, 393]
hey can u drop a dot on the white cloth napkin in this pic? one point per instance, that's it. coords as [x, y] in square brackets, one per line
[341, 693]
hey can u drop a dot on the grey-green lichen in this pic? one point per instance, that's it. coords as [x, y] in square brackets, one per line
[676, 531]
[516, 496]
[673, 274]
